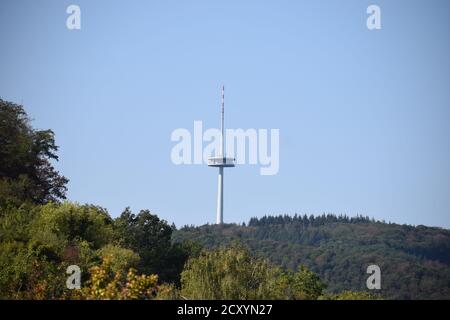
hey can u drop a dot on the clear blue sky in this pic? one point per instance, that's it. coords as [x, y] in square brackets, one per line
[364, 116]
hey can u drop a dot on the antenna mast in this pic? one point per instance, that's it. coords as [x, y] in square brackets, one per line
[222, 125]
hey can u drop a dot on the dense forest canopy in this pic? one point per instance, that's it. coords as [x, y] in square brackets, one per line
[414, 261]
[26, 154]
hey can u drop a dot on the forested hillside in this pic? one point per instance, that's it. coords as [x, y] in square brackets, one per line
[139, 256]
[51, 248]
[414, 261]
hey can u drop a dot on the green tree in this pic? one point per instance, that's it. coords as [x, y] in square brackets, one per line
[150, 237]
[300, 285]
[227, 273]
[26, 171]
[70, 232]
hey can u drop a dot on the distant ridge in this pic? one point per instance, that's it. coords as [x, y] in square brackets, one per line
[414, 260]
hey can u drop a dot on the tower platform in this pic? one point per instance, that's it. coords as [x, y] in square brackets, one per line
[221, 162]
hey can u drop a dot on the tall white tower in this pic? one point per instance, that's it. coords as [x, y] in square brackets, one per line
[221, 161]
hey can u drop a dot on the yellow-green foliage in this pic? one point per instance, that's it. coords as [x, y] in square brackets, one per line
[104, 283]
[226, 273]
[120, 258]
[57, 225]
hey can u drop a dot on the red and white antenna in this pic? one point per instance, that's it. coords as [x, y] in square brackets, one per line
[222, 125]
